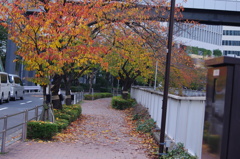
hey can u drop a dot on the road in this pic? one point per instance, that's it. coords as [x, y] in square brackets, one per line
[13, 107]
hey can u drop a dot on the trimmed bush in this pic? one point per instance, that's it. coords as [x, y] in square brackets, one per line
[41, 130]
[76, 88]
[119, 103]
[46, 130]
[61, 115]
[62, 124]
[69, 112]
[97, 96]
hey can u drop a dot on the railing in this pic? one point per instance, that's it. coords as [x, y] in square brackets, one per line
[12, 131]
[28, 89]
[20, 129]
[78, 96]
[185, 116]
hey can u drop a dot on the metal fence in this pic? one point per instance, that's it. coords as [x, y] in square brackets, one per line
[78, 96]
[185, 116]
[14, 129]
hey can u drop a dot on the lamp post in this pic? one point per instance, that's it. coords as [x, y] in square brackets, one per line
[166, 81]
[155, 81]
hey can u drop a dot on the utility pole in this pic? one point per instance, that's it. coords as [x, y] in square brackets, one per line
[167, 74]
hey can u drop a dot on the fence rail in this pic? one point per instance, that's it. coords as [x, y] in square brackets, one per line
[28, 89]
[22, 124]
[185, 116]
[78, 96]
[19, 130]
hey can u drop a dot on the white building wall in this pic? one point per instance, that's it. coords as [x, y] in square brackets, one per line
[202, 36]
[229, 5]
[231, 49]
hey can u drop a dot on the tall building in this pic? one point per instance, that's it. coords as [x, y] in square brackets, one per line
[231, 41]
[203, 36]
[224, 38]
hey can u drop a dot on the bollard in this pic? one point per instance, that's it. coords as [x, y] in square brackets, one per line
[92, 94]
[4, 135]
[24, 128]
[36, 112]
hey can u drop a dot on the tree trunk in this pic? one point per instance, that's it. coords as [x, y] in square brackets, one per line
[47, 112]
[92, 75]
[126, 86]
[67, 82]
[56, 101]
[90, 83]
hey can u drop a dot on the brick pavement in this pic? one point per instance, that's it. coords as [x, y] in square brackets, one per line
[104, 134]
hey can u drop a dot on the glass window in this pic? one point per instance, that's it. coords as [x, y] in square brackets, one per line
[10, 79]
[18, 81]
[3, 78]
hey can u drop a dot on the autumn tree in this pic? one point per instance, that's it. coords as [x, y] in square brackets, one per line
[54, 39]
[61, 37]
[132, 54]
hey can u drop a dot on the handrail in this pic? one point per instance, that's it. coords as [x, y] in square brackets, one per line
[23, 123]
[77, 98]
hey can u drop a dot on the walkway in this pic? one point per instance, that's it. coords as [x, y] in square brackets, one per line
[102, 133]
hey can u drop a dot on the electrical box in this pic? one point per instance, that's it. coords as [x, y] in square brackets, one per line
[221, 138]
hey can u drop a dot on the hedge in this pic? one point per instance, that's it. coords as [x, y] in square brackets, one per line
[119, 103]
[45, 130]
[41, 130]
[97, 96]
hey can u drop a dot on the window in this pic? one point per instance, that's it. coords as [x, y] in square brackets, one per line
[228, 52]
[3, 78]
[18, 81]
[230, 43]
[10, 79]
[231, 32]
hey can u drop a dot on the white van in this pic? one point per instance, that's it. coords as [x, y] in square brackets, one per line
[17, 89]
[4, 87]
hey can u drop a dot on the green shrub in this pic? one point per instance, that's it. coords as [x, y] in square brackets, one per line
[70, 113]
[45, 130]
[136, 117]
[213, 143]
[97, 96]
[119, 103]
[73, 113]
[76, 88]
[41, 130]
[178, 152]
[105, 95]
[88, 97]
[62, 124]
[61, 115]
[75, 107]
[146, 126]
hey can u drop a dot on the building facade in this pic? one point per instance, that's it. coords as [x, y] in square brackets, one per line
[231, 41]
[203, 36]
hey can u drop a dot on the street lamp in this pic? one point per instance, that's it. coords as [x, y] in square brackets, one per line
[166, 81]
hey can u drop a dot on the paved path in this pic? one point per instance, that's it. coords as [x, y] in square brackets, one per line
[102, 133]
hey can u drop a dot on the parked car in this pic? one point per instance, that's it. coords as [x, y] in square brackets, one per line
[17, 90]
[4, 87]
